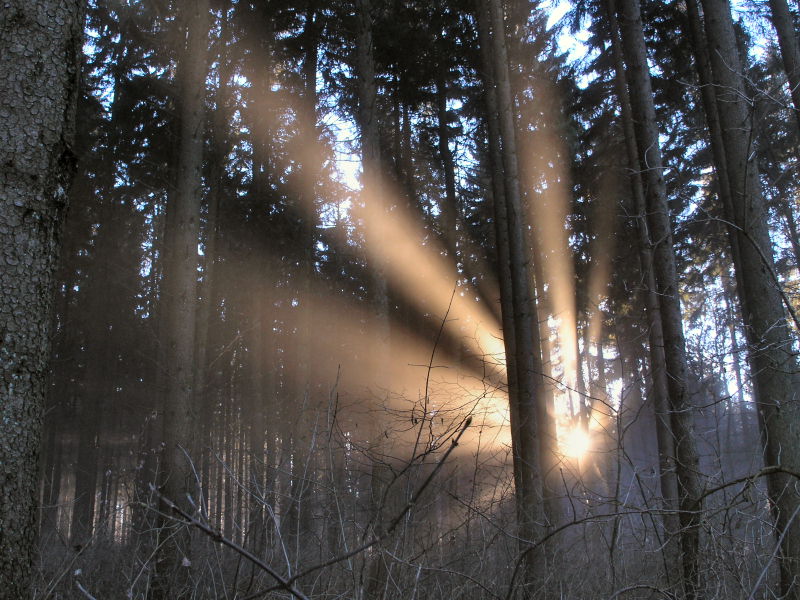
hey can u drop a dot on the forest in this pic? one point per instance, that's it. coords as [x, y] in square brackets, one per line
[399, 299]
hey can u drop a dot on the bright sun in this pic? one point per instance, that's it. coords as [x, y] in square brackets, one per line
[575, 442]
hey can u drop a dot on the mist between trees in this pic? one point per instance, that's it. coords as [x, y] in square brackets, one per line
[400, 299]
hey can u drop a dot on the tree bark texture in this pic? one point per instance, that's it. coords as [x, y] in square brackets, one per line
[665, 271]
[773, 365]
[40, 43]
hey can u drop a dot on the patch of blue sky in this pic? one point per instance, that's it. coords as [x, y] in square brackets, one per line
[754, 16]
[572, 43]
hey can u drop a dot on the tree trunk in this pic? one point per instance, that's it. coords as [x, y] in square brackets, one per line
[659, 392]
[664, 269]
[39, 43]
[790, 50]
[180, 300]
[374, 573]
[527, 358]
[309, 173]
[498, 197]
[708, 95]
[98, 382]
[209, 288]
[371, 165]
[773, 365]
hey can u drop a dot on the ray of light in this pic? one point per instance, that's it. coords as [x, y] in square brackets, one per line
[417, 269]
[415, 264]
[601, 249]
[549, 208]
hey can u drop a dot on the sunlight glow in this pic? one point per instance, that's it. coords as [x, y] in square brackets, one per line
[575, 442]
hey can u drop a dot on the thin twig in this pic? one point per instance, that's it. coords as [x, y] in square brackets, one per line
[770, 470]
[778, 545]
[640, 586]
[84, 591]
[217, 536]
[378, 538]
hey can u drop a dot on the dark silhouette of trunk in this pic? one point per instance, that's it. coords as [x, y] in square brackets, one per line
[658, 376]
[90, 416]
[664, 269]
[39, 44]
[526, 385]
[180, 301]
[375, 571]
[497, 189]
[772, 362]
[258, 392]
[548, 437]
[371, 161]
[209, 289]
[708, 96]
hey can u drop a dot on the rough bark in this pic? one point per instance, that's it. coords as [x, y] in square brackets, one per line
[664, 269]
[39, 43]
[773, 365]
[180, 301]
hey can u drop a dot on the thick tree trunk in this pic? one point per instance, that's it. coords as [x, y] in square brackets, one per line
[39, 43]
[180, 300]
[664, 269]
[773, 364]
